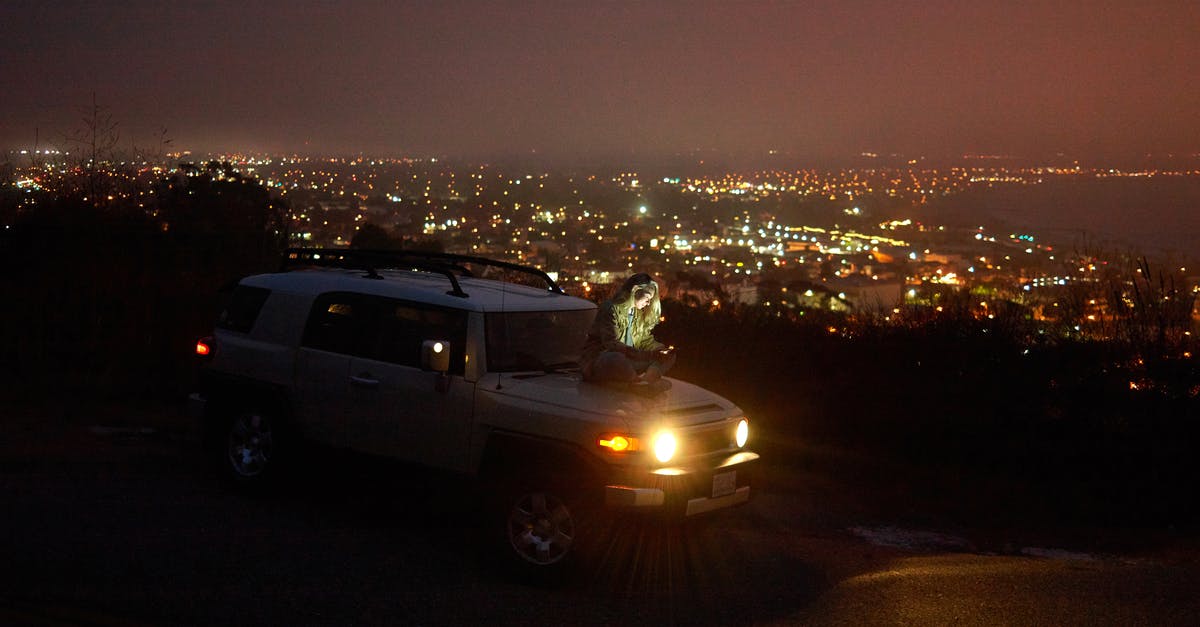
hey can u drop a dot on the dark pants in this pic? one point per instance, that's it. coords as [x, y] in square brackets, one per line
[620, 368]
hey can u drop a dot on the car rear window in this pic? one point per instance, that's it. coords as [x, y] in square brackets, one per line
[243, 308]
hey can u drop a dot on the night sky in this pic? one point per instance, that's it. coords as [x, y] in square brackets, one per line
[587, 79]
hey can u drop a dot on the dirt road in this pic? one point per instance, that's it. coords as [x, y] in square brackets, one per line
[120, 524]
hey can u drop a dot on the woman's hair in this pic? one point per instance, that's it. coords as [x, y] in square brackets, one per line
[633, 288]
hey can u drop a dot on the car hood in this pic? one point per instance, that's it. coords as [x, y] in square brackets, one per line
[679, 404]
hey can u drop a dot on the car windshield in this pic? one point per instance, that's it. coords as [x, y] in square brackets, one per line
[536, 340]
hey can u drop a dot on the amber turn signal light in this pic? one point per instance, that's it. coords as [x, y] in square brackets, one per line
[619, 443]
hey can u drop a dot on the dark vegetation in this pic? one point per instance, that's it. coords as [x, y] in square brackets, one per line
[963, 419]
[989, 418]
[106, 299]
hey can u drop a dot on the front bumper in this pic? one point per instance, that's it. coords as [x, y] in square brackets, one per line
[704, 485]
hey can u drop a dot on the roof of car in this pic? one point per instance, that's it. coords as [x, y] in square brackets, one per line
[475, 294]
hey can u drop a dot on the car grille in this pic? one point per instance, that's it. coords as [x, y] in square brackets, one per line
[709, 439]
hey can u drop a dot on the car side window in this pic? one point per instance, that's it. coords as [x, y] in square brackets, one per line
[403, 326]
[243, 308]
[337, 323]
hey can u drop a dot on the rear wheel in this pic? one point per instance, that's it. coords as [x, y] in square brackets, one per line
[245, 444]
[250, 444]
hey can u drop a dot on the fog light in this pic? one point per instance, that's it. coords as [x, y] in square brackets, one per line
[743, 432]
[664, 446]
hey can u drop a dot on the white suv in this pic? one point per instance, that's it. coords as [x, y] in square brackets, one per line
[418, 357]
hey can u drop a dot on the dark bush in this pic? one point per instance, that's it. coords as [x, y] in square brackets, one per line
[959, 397]
[108, 300]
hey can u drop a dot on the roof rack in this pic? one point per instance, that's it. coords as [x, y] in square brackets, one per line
[449, 265]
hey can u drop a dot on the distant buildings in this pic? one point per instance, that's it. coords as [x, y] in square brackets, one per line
[842, 240]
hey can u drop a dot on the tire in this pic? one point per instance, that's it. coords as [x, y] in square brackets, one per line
[546, 528]
[245, 445]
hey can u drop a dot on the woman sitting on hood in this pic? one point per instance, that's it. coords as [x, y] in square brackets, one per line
[620, 346]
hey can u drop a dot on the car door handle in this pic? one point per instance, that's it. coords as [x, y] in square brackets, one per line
[364, 381]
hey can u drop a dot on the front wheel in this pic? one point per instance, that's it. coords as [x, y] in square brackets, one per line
[541, 527]
[547, 527]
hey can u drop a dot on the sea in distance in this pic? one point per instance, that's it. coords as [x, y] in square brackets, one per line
[1153, 216]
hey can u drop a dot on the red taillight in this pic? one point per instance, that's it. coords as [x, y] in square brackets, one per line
[204, 347]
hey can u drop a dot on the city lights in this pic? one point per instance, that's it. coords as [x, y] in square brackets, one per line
[724, 233]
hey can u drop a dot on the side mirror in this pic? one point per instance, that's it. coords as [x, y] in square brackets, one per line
[435, 355]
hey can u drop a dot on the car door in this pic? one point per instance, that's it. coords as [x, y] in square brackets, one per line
[400, 410]
[337, 325]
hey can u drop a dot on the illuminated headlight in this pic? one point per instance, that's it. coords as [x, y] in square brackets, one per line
[743, 432]
[664, 446]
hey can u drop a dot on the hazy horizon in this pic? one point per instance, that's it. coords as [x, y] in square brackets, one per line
[588, 83]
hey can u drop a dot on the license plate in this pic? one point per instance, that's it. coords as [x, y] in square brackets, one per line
[724, 483]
